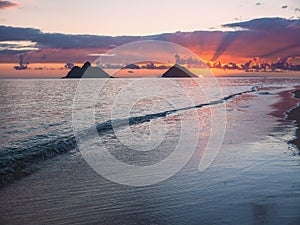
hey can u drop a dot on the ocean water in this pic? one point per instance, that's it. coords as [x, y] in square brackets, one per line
[252, 178]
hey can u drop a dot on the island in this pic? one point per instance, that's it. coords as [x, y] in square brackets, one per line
[177, 71]
[87, 71]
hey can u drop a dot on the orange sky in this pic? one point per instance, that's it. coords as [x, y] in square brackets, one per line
[36, 70]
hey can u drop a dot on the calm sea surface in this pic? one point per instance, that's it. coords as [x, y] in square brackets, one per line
[252, 180]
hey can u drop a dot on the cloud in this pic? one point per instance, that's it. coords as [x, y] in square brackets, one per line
[7, 4]
[13, 33]
[263, 24]
[266, 37]
[227, 40]
[17, 45]
[284, 7]
[64, 41]
[258, 3]
[281, 50]
[102, 54]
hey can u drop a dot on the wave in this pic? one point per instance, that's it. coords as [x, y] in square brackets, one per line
[18, 162]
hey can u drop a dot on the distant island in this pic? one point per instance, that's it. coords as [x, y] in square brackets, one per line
[177, 71]
[87, 71]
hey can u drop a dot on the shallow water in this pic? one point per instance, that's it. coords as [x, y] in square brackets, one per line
[253, 180]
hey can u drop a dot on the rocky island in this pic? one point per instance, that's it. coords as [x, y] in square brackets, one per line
[177, 71]
[87, 71]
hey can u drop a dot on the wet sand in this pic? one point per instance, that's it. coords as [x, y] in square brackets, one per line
[288, 109]
[294, 114]
[286, 103]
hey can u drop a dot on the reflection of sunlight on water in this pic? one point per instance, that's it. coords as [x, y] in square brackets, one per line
[251, 181]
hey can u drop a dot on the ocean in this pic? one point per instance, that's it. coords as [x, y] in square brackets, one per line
[147, 151]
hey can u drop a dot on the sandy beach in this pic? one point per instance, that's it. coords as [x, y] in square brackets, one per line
[294, 114]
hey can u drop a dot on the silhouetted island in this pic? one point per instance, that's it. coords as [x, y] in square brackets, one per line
[87, 71]
[178, 71]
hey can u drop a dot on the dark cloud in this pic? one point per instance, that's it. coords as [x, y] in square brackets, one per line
[58, 40]
[258, 3]
[18, 34]
[263, 24]
[227, 40]
[284, 7]
[281, 50]
[7, 4]
[266, 37]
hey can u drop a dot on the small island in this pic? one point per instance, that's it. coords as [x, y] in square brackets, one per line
[177, 71]
[87, 71]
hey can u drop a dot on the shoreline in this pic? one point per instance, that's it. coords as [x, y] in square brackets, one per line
[66, 190]
[287, 109]
[294, 114]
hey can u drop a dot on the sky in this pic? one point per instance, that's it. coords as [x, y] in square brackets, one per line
[139, 17]
[47, 34]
